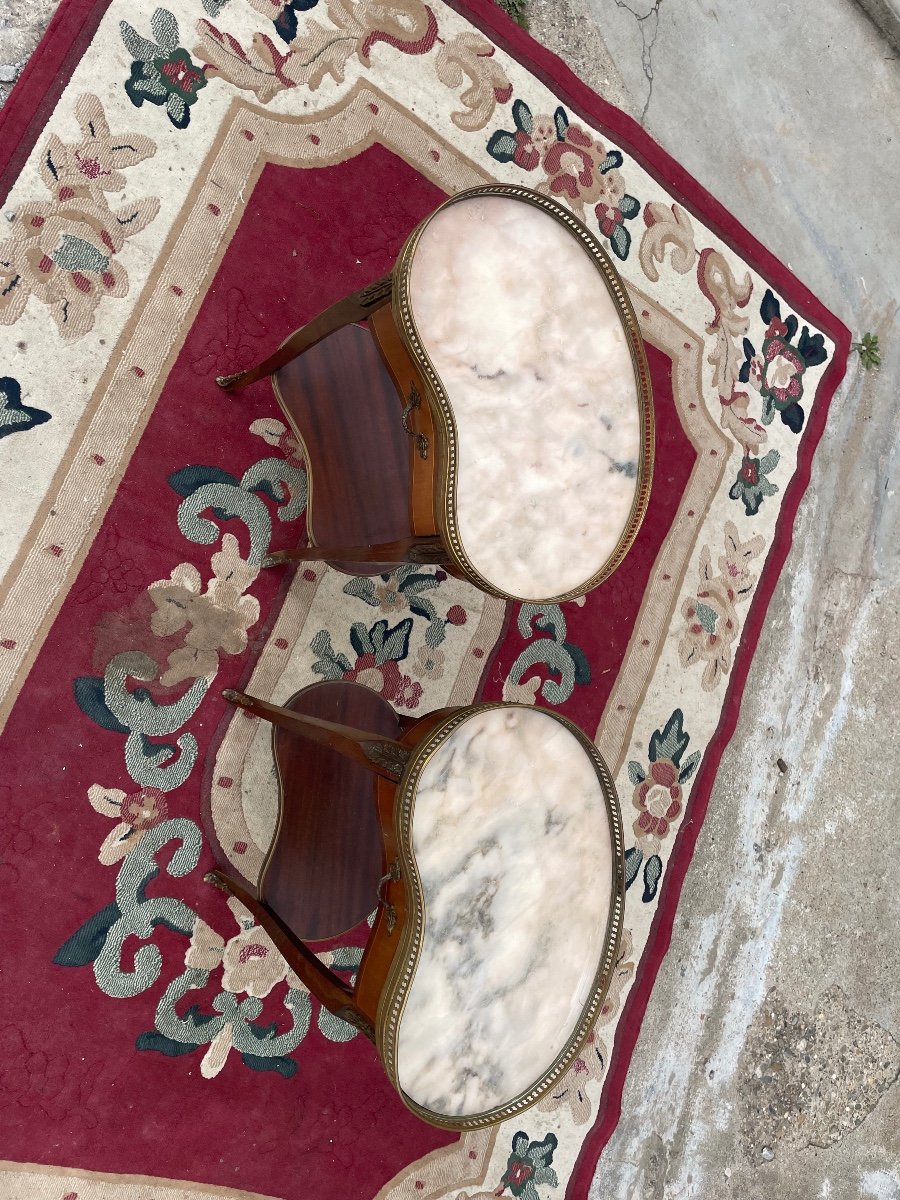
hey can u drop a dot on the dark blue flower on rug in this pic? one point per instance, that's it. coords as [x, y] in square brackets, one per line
[614, 212]
[527, 1166]
[163, 72]
[578, 168]
[378, 651]
[286, 21]
[752, 484]
[532, 137]
[659, 799]
[407, 587]
[16, 417]
[777, 370]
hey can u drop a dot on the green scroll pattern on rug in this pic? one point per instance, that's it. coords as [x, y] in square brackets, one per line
[160, 755]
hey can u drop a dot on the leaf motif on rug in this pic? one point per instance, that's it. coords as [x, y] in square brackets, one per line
[578, 169]
[16, 417]
[561, 657]
[712, 623]
[668, 226]
[315, 50]
[718, 284]
[471, 56]
[215, 620]
[163, 72]
[589, 1067]
[63, 251]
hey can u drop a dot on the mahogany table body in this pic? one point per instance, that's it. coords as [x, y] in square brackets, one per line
[495, 416]
[489, 839]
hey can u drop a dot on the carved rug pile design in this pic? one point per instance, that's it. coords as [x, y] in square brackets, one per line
[182, 186]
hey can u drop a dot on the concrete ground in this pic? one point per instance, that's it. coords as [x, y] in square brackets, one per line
[22, 23]
[767, 1063]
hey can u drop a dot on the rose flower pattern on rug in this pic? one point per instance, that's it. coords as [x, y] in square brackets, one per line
[62, 250]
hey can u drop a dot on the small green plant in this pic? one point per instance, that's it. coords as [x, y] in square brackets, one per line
[517, 9]
[867, 349]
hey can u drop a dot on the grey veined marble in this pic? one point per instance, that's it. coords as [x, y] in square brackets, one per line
[531, 350]
[513, 844]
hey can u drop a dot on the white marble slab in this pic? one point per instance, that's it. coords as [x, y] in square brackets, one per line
[513, 845]
[534, 358]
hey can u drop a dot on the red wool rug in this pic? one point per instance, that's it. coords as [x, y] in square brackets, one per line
[182, 186]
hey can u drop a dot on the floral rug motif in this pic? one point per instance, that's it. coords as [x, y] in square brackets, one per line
[184, 184]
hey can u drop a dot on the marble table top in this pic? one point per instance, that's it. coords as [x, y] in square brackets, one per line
[531, 349]
[513, 843]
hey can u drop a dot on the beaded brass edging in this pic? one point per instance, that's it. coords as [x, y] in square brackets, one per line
[397, 985]
[447, 464]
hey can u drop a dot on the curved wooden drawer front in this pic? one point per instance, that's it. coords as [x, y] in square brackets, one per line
[511, 849]
[343, 408]
[540, 384]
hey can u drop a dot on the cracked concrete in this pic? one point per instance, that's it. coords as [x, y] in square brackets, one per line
[567, 29]
[648, 24]
[793, 889]
[22, 25]
[810, 1078]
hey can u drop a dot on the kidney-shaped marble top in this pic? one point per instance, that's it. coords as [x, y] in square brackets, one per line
[534, 358]
[512, 839]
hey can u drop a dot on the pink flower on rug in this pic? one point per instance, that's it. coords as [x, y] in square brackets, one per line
[408, 693]
[429, 663]
[531, 147]
[571, 1091]
[388, 596]
[529, 142]
[783, 372]
[276, 433]
[64, 257]
[711, 625]
[384, 678]
[144, 809]
[659, 800]
[62, 250]
[748, 432]
[136, 812]
[543, 133]
[217, 619]
[251, 963]
[711, 619]
[526, 154]
[573, 167]
[206, 947]
[607, 210]
[98, 161]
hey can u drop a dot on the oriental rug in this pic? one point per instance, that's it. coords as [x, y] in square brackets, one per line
[181, 186]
